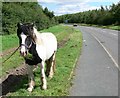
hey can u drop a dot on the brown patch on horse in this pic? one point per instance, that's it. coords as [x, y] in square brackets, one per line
[54, 65]
[50, 63]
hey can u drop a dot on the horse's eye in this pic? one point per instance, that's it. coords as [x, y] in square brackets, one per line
[31, 27]
[28, 36]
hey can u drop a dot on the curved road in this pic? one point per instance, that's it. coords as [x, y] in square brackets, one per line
[96, 72]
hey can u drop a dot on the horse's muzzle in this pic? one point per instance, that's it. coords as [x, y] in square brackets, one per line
[23, 53]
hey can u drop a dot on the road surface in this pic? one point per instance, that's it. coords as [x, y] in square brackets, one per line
[96, 73]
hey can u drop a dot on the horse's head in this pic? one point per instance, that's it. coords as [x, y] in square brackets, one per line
[25, 33]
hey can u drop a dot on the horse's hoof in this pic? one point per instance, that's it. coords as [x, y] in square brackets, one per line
[35, 67]
[30, 89]
[50, 76]
[44, 87]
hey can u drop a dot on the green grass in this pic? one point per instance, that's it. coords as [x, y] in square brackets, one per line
[114, 27]
[0, 43]
[11, 63]
[66, 58]
[9, 41]
[60, 31]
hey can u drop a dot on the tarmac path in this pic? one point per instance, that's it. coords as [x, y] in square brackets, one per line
[96, 73]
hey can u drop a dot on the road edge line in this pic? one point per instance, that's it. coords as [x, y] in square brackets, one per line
[73, 68]
[106, 51]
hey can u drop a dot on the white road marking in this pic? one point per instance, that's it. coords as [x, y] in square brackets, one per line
[106, 51]
[84, 40]
[71, 74]
[110, 33]
[113, 34]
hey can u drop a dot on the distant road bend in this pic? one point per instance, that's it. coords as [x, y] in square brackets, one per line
[96, 73]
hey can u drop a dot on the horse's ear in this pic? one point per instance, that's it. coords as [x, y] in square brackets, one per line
[19, 24]
[32, 24]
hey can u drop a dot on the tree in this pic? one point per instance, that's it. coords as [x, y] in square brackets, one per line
[102, 16]
[14, 12]
[48, 13]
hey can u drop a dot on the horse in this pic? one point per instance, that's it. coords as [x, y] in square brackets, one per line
[42, 47]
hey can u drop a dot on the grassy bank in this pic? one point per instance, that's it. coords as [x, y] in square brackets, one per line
[66, 58]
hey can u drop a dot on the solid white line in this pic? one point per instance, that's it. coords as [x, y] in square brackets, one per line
[110, 33]
[73, 68]
[106, 51]
[113, 34]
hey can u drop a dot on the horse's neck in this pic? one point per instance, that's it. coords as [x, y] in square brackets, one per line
[38, 37]
[35, 31]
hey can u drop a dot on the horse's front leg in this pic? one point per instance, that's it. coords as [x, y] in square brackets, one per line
[43, 78]
[30, 77]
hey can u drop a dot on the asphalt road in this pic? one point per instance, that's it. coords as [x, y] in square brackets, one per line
[96, 72]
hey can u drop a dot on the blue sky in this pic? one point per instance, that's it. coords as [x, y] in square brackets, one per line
[60, 7]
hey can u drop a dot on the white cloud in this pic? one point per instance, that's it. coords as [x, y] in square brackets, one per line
[48, 1]
[73, 6]
[103, 0]
[59, 1]
[77, 1]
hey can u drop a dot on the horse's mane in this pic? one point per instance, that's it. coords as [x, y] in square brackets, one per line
[37, 37]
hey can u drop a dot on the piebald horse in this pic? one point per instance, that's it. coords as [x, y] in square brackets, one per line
[42, 47]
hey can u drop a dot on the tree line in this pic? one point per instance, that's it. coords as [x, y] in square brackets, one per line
[25, 12]
[103, 16]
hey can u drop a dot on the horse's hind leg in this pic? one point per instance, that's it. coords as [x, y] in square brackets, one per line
[54, 62]
[31, 78]
[35, 67]
[47, 67]
[43, 78]
[50, 66]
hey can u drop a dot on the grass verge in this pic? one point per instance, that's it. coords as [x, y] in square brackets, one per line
[66, 56]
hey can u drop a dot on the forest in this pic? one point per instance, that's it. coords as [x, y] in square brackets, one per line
[103, 16]
[24, 12]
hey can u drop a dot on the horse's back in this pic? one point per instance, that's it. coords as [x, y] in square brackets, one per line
[49, 42]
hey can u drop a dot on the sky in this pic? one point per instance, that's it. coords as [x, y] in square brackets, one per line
[61, 7]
